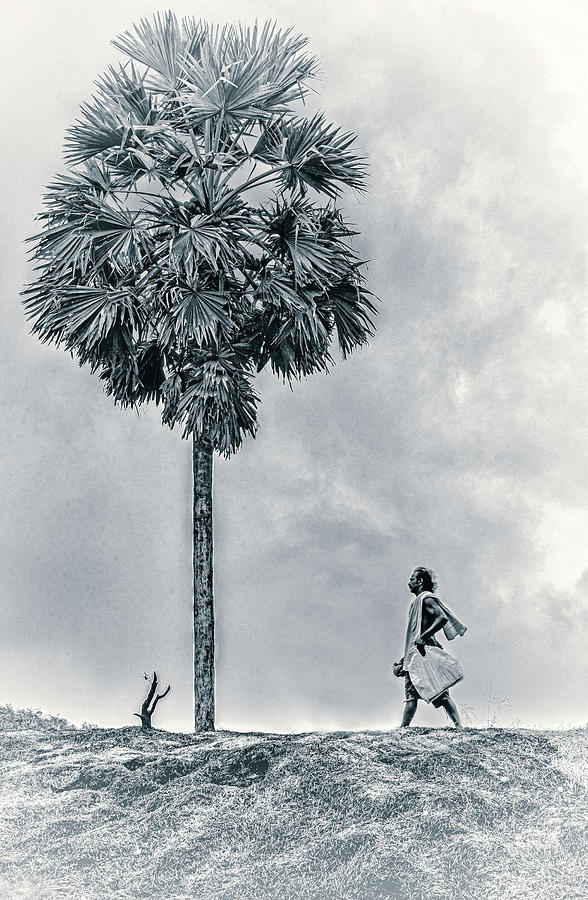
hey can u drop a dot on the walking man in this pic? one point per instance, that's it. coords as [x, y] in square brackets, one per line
[433, 616]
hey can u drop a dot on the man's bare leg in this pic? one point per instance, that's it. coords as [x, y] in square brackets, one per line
[410, 707]
[451, 710]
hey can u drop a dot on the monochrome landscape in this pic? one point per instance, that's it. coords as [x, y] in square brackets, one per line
[454, 436]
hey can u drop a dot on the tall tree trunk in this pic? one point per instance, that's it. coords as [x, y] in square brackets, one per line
[203, 591]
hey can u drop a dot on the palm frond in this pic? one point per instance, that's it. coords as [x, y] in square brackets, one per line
[84, 316]
[67, 191]
[280, 59]
[275, 289]
[194, 237]
[202, 237]
[287, 328]
[117, 366]
[150, 371]
[99, 130]
[86, 229]
[353, 314]
[121, 237]
[62, 252]
[217, 402]
[294, 231]
[161, 44]
[312, 154]
[243, 73]
[123, 89]
[196, 317]
[300, 346]
[122, 115]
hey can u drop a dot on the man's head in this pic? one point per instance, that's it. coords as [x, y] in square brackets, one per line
[422, 579]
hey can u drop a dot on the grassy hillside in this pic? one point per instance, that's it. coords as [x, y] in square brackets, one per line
[418, 813]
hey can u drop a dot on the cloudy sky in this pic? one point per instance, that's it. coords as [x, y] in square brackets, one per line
[458, 439]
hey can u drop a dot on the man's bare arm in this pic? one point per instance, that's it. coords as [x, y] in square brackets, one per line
[438, 622]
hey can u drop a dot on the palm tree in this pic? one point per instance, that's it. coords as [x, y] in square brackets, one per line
[195, 240]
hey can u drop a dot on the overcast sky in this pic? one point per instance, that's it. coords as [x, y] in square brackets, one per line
[458, 439]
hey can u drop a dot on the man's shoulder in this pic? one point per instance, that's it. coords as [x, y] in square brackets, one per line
[431, 602]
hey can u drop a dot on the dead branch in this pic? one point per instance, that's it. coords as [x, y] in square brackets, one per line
[150, 702]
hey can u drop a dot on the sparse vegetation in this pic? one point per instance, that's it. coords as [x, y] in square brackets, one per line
[495, 706]
[481, 814]
[11, 719]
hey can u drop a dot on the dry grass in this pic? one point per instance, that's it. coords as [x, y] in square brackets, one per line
[422, 813]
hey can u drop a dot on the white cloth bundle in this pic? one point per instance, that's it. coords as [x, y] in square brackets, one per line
[434, 672]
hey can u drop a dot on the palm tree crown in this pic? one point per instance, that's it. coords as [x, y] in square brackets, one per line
[163, 265]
